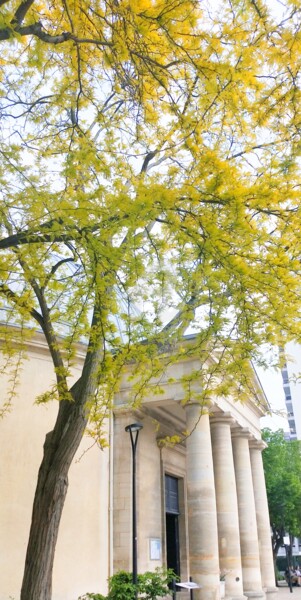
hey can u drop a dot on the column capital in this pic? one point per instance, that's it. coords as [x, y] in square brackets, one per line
[204, 409]
[241, 432]
[224, 417]
[257, 444]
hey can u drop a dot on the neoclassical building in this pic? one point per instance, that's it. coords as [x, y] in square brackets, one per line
[201, 504]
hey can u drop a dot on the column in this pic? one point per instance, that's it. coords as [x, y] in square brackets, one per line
[252, 583]
[202, 523]
[263, 519]
[226, 504]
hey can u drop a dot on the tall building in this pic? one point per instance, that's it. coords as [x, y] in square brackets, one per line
[291, 377]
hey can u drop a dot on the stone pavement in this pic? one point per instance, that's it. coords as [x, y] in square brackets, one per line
[285, 594]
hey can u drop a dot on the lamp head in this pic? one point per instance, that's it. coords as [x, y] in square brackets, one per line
[286, 540]
[133, 427]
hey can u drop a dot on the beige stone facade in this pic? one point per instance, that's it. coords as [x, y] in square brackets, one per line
[201, 505]
[221, 522]
[81, 562]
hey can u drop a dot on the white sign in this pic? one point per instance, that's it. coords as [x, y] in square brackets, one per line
[155, 548]
[188, 585]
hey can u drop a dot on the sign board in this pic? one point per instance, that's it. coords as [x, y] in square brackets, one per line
[155, 548]
[188, 585]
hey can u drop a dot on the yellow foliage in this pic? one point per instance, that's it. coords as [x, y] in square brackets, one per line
[150, 166]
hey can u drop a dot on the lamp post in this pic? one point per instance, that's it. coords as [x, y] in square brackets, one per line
[287, 546]
[133, 430]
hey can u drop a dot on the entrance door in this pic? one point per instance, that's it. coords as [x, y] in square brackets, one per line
[172, 524]
[172, 543]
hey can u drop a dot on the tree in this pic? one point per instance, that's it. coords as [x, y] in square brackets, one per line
[282, 467]
[149, 158]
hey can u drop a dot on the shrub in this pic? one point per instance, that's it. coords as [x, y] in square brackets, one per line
[154, 584]
[150, 585]
[121, 586]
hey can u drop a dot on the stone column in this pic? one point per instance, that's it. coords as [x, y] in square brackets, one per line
[202, 523]
[263, 519]
[252, 583]
[226, 504]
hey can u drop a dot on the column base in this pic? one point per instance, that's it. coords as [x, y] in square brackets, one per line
[229, 597]
[258, 594]
[271, 593]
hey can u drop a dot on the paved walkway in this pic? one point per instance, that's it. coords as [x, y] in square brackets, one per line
[285, 594]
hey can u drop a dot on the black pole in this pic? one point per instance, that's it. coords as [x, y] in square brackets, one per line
[134, 429]
[288, 568]
[191, 590]
[174, 590]
[134, 446]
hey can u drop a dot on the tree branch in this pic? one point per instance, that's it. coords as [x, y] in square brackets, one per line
[36, 237]
[17, 301]
[39, 237]
[26, 237]
[36, 29]
[177, 320]
[56, 267]
[21, 11]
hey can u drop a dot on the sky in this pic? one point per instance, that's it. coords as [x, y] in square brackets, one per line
[271, 382]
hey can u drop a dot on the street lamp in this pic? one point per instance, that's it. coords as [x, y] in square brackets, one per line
[287, 546]
[133, 430]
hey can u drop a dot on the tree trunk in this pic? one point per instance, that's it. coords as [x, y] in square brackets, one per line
[277, 544]
[59, 449]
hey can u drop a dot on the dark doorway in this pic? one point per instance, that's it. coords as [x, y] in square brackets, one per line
[172, 524]
[172, 543]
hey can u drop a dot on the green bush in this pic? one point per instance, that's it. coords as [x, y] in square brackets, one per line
[121, 586]
[150, 585]
[154, 584]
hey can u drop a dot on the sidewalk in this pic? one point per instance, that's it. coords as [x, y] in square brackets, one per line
[285, 594]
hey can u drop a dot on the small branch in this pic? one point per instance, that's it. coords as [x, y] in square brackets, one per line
[60, 263]
[257, 8]
[17, 301]
[177, 320]
[147, 159]
[56, 267]
[31, 105]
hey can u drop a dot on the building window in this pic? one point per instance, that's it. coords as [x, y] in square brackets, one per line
[171, 495]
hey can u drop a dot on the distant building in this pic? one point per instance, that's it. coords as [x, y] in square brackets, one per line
[291, 377]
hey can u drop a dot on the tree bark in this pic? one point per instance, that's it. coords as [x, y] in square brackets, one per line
[59, 449]
[277, 543]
